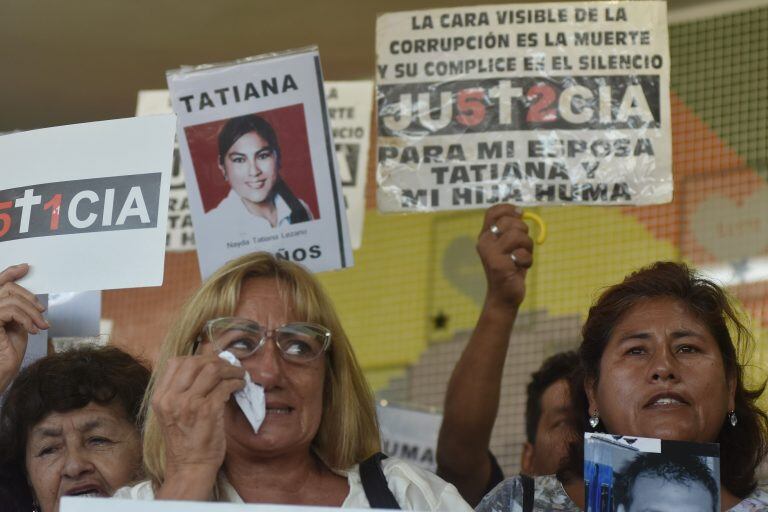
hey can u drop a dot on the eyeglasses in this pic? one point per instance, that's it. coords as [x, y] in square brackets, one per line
[299, 342]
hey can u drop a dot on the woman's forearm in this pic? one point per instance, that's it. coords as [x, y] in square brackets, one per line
[188, 485]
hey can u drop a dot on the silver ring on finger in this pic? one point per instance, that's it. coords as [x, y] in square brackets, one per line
[513, 258]
[495, 230]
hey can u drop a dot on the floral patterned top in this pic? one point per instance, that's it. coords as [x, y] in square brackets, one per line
[549, 496]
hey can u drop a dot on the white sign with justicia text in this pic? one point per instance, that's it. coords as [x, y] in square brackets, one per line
[86, 204]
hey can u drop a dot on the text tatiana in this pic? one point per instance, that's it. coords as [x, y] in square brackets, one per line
[239, 93]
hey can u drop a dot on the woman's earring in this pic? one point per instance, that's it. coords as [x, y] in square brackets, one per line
[594, 420]
[732, 418]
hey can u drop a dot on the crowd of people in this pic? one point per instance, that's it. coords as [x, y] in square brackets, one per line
[659, 357]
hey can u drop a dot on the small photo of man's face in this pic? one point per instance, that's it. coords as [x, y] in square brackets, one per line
[653, 493]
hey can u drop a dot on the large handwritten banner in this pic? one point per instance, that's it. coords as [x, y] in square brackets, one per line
[552, 103]
[86, 205]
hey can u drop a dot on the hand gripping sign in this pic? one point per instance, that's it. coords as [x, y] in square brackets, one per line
[86, 205]
[535, 104]
[259, 161]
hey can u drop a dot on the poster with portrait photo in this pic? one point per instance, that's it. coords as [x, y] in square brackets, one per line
[350, 104]
[253, 158]
[630, 474]
[259, 161]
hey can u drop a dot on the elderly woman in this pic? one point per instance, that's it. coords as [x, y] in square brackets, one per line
[68, 426]
[69, 423]
[320, 422]
[659, 360]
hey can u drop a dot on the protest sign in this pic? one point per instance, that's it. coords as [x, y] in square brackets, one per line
[349, 107]
[37, 347]
[70, 504]
[86, 205]
[74, 314]
[259, 163]
[409, 434]
[180, 236]
[623, 473]
[37, 344]
[536, 104]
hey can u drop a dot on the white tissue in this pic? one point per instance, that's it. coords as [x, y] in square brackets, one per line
[250, 398]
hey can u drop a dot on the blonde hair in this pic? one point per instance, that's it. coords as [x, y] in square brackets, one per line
[348, 431]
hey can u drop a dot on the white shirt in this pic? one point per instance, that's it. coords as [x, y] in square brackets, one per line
[413, 488]
[231, 213]
[230, 230]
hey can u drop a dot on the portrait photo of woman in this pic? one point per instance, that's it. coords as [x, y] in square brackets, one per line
[250, 162]
[254, 171]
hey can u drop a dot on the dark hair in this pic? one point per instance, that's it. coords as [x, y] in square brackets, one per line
[742, 447]
[555, 368]
[679, 468]
[235, 128]
[64, 382]
[15, 494]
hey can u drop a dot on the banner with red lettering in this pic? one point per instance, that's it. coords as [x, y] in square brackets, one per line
[535, 104]
[86, 204]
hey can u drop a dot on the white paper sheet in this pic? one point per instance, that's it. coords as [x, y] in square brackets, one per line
[113, 505]
[303, 185]
[37, 344]
[409, 434]
[93, 239]
[349, 108]
[251, 398]
[181, 236]
[74, 314]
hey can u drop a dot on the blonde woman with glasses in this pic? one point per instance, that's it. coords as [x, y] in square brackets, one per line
[320, 422]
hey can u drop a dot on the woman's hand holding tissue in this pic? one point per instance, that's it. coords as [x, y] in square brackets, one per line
[189, 402]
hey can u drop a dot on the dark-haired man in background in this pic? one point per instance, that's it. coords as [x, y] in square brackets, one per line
[547, 415]
[472, 398]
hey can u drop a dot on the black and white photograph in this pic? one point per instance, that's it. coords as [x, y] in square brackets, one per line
[634, 474]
